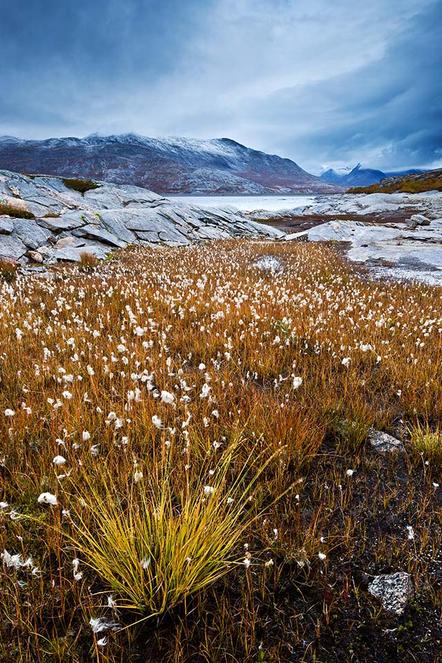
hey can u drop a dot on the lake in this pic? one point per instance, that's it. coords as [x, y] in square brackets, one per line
[248, 203]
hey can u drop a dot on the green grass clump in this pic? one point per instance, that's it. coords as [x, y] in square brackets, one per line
[161, 541]
[427, 442]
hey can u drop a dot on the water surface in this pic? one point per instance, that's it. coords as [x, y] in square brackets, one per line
[249, 203]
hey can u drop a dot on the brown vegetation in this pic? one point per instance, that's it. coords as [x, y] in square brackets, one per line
[200, 427]
[80, 185]
[429, 181]
[17, 211]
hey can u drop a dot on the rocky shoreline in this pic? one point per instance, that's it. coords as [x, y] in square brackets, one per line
[50, 219]
[394, 235]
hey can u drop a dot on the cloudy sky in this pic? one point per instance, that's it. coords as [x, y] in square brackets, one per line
[323, 82]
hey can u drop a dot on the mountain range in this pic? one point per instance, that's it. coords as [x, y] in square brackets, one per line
[359, 176]
[163, 165]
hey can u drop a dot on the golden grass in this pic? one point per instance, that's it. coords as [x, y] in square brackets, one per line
[88, 261]
[17, 211]
[196, 368]
[8, 270]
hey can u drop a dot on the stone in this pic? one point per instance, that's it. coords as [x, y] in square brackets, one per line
[383, 442]
[30, 233]
[112, 221]
[6, 225]
[394, 590]
[269, 264]
[68, 241]
[102, 235]
[68, 221]
[12, 247]
[73, 254]
[212, 232]
[35, 256]
[417, 220]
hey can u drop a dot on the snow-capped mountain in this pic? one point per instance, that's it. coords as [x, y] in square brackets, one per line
[164, 165]
[349, 176]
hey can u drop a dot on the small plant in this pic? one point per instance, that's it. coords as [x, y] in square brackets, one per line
[88, 261]
[80, 185]
[16, 211]
[427, 442]
[8, 270]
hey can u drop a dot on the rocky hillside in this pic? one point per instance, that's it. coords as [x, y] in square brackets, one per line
[164, 165]
[410, 183]
[48, 219]
[359, 176]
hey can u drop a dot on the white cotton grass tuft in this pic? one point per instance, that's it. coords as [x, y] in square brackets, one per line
[297, 382]
[167, 397]
[138, 475]
[59, 460]
[100, 624]
[157, 422]
[47, 498]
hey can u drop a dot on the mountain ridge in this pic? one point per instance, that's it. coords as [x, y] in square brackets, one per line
[165, 165]
[360, 176]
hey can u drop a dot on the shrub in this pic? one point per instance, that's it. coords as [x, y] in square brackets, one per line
[14, 210]
[80, 185]
[8, 270]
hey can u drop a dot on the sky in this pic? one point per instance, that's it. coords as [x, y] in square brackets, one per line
[326, 83]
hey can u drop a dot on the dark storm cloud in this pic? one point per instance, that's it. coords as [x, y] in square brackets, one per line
[322, 83]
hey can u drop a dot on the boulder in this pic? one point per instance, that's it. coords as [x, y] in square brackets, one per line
[417, 220]
[73, 253]
[6, 225]
[112, 221]
[394, 590]
[12, 247]
[30, 233]
[68, 221]
[100, 234]
[35, 256]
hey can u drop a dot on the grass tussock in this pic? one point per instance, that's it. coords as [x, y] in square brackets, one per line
[8, 270]
[162, 540]
[88, 261]
[16, 211]
[80, 185]
[184, 434]
[427, 442]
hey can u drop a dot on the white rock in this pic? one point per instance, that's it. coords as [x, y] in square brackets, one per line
[383, 442]
[394, 590]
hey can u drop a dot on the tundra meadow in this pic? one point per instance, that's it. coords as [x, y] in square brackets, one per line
[186, 471]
